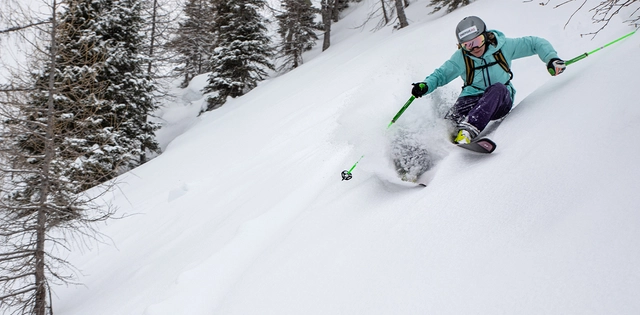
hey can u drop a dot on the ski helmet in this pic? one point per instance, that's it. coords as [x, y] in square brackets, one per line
[469, 28]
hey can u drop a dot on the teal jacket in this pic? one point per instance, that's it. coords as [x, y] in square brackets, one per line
[512, 48]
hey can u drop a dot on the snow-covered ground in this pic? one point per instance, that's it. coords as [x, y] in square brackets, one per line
[245, 212]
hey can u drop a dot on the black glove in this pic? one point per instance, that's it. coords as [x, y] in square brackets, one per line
[419, 89]
[556, 66]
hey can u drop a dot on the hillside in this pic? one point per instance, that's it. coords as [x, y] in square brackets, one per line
[245, 213]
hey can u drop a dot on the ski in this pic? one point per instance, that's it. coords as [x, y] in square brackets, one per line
[398, 182]
[482, 145]
[408, 184]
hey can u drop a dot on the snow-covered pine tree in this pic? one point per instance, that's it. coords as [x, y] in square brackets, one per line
[194, 40]
[297, 31]
[450, 5]
[104, 114]
[83, 136]
[128, 88]
[242, 52]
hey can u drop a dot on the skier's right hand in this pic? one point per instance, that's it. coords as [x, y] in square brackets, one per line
[419, 89]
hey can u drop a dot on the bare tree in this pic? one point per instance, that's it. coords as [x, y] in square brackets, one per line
[194, 40]
[387, 12]
[41, 209]
[604, 11]
[160, 24]
[21, 27]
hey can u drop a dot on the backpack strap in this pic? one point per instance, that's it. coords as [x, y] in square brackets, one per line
[500, 60]
[468, 63]
[503, 63]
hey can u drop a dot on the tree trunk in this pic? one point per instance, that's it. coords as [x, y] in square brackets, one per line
[384, 12]
[40, 306]
[40, 276]
[152, 44]
[152, 37]
[335, 10]
[327, 12]
[401, 16]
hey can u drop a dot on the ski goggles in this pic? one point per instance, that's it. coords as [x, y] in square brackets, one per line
[471, 44]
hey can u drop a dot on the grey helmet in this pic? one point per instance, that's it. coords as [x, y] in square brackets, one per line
[469, 28]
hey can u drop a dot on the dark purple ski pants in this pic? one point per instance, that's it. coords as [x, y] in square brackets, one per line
[494, 104]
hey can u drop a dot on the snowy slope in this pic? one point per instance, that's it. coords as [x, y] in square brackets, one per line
[245, 213]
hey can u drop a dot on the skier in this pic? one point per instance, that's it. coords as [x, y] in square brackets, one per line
[483, 60]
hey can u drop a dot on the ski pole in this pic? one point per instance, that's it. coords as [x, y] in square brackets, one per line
[406, 105]
[346, 174]
[585, 55]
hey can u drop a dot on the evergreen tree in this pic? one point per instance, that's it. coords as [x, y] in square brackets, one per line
[297, 31]
[128, 86]
[449, 4]
[327, 13]
[242, 52]
[194, 40]
[79, 106]
[104, 114]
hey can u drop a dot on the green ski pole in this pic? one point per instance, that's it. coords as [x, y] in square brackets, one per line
[406, 105]
[346, 174]
[585, 55]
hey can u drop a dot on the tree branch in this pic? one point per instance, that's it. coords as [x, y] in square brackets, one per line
[21, 27]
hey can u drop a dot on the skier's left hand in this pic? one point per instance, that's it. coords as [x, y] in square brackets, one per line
[556, 66]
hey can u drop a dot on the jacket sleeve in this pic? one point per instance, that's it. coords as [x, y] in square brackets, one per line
[529, 46]
[451, 69]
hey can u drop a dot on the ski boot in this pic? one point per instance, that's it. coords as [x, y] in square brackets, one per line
[466, 133]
